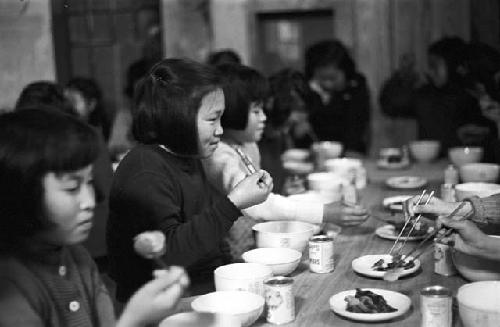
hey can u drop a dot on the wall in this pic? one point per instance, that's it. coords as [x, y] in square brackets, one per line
[27, 46]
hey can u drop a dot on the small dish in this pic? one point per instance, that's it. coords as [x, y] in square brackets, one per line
[384, 164]
[406, 182]
[363, 265]
[397, 300]
[389, 233]
[395, 202]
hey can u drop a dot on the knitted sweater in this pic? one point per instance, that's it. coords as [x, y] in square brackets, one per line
[53, 288]
[486, 210]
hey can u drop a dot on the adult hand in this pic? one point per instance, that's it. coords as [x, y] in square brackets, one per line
[339, 213]
[156, 299]
[436, 207]
[470, 239]
[252, 190]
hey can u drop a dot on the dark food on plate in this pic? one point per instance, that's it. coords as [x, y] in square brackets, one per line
[396, 262]
[367, 302]
[421, 228]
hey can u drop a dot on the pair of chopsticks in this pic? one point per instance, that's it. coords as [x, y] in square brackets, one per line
[248, 164]
[411, 219]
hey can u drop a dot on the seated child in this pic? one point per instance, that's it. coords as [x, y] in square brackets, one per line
[47, 200]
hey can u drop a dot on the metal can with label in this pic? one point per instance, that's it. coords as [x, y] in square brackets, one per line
[321, 254]
[443, 262]
[436, 306]
[280, 302]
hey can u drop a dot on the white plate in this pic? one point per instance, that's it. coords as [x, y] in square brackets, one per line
[383, 164]
[395, 202]
[406, 182]
[389, 233]
[397, 300]
[363, 265]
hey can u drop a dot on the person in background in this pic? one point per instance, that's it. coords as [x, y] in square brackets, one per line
[245, 91]
[445, 111]
[44, 93]
[47, 198]
[397, 100]
[287, 124]
[340, 109]
[161, 185]
[225, 56]
[86, 98]
[51, 95]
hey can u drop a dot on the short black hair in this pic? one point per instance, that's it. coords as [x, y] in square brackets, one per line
[167, 102]
[225, 56]
[242, 86]
[90, 90]
[44, 93]
[329, 52]
[34, 142]
[453, 50]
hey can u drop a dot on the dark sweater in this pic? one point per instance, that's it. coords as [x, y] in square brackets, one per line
[155, 190]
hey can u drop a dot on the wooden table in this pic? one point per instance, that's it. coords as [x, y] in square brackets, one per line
[312, 291]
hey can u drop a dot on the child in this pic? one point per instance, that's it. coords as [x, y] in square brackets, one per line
[44, 93]
[47, 200]
[245, 90]
[160, 184]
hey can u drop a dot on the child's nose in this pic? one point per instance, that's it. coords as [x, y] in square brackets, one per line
[87, 200]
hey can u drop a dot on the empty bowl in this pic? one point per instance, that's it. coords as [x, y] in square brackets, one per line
[295, 155]
[475, 268]
[242, 277]
[424, 150]
[482, 190]
[282, 261]
[479, 172]
[463, 155]
[479, 304]
[196, 319]
[245, 305]
[283, 234]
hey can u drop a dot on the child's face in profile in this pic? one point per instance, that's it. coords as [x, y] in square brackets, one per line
[438, 72]
[209, 127]
[256, 123]
[69, 200]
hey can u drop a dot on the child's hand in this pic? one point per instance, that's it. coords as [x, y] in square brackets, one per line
[253, 190]
[339, 213]
[156, 299]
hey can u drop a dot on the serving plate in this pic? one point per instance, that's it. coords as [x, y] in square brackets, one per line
[406, 182]
[389, 233]
[397, 300]
[363, 265]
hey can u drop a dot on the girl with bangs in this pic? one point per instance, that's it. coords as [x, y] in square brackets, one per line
[160, 184]
[245, 91]
[47, 200]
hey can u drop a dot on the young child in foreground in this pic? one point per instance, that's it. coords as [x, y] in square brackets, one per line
[160, 184]
[243, 121]
[47, 200]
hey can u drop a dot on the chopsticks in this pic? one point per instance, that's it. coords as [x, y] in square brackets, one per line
[248, 164]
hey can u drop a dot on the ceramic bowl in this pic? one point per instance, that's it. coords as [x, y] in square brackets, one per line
[196, 319]
[482, 190]
[479, 304]
[463, 155]
[479, 172]
[283, 234]
[242, 277]
[282, 261]
[295, 155]
[424, 150]
[475, 268]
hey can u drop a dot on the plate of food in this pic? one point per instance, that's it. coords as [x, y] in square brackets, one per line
[370, 304]
[391, 231]
[395, 203]
[406, 182]
[376, 265]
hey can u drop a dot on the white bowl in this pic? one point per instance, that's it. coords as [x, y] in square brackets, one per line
[479, 304]
[298, 167]
[325, 150]
[295, 155]
[344, 167]
[463, 155]
[282, 261]
[328, 185]
[196, 319]
[479, 172]
[245, 305]
[482, 190]
[242, 277]
[283, 234]
[424, 150]
[475, 268]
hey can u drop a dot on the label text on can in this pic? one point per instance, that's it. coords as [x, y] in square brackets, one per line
[321, 254]
[280, 302]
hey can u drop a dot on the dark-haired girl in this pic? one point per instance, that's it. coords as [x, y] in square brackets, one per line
[160, 184]
[47, 199]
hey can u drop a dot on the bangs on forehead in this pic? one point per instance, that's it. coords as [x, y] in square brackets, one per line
[74, 152]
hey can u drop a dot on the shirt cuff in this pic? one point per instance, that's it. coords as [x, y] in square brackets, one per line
[479, 214]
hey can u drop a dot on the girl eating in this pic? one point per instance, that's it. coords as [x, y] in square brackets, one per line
[47, 200]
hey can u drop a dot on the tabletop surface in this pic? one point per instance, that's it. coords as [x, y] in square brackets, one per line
[312, 291]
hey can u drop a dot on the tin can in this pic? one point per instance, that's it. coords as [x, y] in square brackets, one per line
[280, 302]
[436, 306]
[443, 262]
[321, 252]
[448, 193]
